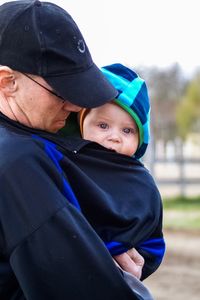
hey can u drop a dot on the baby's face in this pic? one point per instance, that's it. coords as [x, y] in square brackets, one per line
[113, 128]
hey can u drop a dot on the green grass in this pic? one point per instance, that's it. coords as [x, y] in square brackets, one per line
[182, 213]
[182, 203]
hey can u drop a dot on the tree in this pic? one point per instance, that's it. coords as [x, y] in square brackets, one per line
[188, 112]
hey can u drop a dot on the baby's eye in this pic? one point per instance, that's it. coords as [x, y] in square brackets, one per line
[103, 125]
[129, 130]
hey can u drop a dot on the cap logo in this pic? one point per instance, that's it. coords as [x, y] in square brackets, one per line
[81, 46]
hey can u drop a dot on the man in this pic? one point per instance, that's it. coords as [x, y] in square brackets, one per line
[47, 248]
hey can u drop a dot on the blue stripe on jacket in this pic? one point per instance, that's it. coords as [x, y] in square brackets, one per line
[56, 157]
[156, 247]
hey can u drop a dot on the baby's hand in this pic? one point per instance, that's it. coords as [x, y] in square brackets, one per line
[131, 262]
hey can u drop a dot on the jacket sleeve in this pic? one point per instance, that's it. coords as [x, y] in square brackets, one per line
[150, 244]
[53, 251]
[153, 250]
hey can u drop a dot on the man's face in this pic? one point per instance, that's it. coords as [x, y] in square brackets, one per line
[113, 128]
[42, 109]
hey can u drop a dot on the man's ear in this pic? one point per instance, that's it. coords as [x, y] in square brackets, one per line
[8, 84]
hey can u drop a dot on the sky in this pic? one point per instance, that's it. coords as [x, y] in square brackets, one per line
[139, 33]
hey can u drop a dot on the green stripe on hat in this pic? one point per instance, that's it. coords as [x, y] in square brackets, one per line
[136, 119]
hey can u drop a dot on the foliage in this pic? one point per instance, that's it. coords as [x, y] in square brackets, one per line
[188, 112]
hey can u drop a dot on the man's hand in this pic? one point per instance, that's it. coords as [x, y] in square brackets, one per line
[131, 262]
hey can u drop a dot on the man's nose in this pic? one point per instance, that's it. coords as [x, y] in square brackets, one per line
[68, 106]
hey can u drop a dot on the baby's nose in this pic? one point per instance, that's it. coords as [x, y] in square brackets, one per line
[114, 137]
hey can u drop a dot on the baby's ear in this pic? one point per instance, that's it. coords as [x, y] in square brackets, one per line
[8, 83]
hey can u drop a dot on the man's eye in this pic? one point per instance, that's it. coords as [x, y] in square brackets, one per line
[103, 125]
[128, 130]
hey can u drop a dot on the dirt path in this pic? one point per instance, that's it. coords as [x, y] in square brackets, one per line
[179, 276]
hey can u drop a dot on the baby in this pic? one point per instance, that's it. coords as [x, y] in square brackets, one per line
[123, 126]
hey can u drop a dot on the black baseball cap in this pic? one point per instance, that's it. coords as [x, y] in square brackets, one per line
[41, 38]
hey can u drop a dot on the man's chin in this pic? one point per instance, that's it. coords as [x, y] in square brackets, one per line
[57, 126]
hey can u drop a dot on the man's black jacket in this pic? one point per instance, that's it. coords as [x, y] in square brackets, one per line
[48, 250]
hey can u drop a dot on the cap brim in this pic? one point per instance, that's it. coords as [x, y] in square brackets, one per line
[88, 88]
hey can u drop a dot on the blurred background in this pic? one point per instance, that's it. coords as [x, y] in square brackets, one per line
[160, 39]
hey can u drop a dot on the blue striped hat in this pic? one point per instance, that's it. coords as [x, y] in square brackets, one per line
[133, 97]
